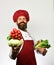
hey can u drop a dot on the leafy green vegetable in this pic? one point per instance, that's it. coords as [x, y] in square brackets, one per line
[8, 37]
[43, 44]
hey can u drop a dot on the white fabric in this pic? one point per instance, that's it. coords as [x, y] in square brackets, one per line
[26, 35]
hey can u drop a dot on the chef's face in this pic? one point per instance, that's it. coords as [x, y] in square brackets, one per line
[22, 22]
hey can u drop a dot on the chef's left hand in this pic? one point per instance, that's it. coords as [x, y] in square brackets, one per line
[42, 51]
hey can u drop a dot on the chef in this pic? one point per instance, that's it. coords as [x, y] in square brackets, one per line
[24, 53]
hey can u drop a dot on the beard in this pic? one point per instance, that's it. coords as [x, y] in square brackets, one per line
[22, 26]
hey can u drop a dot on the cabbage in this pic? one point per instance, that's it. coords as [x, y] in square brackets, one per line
[15, 42]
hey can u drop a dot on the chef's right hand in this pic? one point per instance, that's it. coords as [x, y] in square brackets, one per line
[15, 48]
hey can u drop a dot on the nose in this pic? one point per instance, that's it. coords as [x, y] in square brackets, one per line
[22, 20]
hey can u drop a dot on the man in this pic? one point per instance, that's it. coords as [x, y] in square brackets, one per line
[24, 53]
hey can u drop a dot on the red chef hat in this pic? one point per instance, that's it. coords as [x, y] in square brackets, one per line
[21, 13]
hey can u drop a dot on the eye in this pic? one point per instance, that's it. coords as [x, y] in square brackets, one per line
[24, 18]
[19, 18]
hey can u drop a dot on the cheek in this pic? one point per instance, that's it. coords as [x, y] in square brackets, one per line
[25, 21]
[18, 21]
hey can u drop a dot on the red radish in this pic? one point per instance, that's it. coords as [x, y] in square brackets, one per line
[11, 32]
[16, 34]
[19, 32]
[16, 37]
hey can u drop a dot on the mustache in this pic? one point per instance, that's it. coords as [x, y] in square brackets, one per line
[22, 22]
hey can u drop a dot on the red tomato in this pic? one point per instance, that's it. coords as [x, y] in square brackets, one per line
[13, 35]
[16, 37]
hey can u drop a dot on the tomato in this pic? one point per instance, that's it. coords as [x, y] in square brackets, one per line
[16, 34]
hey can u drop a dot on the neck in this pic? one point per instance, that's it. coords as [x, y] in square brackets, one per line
[24, 30]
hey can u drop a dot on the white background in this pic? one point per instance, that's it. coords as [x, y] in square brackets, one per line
[41, 26]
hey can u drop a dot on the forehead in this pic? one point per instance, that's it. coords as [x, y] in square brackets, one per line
[21, 17]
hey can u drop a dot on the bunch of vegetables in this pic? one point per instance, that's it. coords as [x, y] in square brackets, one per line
[43, 44]
[15, 38]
